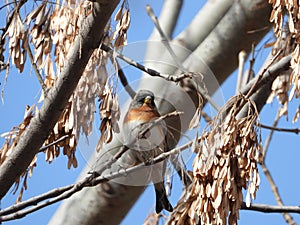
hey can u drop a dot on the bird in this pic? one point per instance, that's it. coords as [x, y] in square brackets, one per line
[142, 110]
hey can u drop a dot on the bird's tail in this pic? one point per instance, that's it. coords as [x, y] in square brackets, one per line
[162, 201]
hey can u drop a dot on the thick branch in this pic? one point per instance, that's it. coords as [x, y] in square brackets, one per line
[191, 37]
[38, 130]
[268, 74]
[237, 30]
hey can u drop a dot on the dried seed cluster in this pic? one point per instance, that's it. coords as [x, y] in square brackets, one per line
[110, 115]
[17, 36]
[287, 9]
[50, 31]
[64, 25]
[11, 140]
[123, 19]
[226, 163]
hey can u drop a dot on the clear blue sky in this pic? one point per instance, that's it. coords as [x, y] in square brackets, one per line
[23, 89]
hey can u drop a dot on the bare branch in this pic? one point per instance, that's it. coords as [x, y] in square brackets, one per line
[269, 73]
[292, 130]
[271, 208]
[288, 218]
[38, 130]
[154, 73]
[255, 86]
[123, 78]
[269, 138]
[37, 73]
[34, 200]
[168, 18]
[165, 39]
[166, 42]
[206, 117]
[54, 143]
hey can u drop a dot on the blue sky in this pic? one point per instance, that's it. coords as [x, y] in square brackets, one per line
[24, 89]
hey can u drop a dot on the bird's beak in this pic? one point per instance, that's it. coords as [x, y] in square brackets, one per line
[147, 100]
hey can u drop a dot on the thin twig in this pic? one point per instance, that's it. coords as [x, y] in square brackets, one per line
[147, 126]
[43, 148]
[37, 73]
[5, 5]
[259, 77]
[271, 208]
[185, 178]
[292, 130]
[288, 218]
[34, 200]
[269, 138]
[154, 73]
[123, 78]
[165, 39]
[252, 60]
[208, 98]
[169, 77]
[268, 74]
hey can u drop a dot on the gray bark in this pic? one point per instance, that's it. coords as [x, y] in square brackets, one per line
[42, 123]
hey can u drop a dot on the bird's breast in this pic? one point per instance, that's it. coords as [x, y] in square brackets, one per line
[149, 145]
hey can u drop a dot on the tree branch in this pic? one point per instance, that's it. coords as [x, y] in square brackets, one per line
[280, 129]
[97, 177]
[288, 218]
[36, 133]
[168, 20]
[268, 74]
[242, 58]
[216, 49]
[152, 72]
[271, 208]
[123, 78]
[43, 148]
[190, 38]
[165, 40]
[37, 73]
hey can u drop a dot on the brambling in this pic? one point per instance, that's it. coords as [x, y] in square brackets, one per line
[142, 110]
